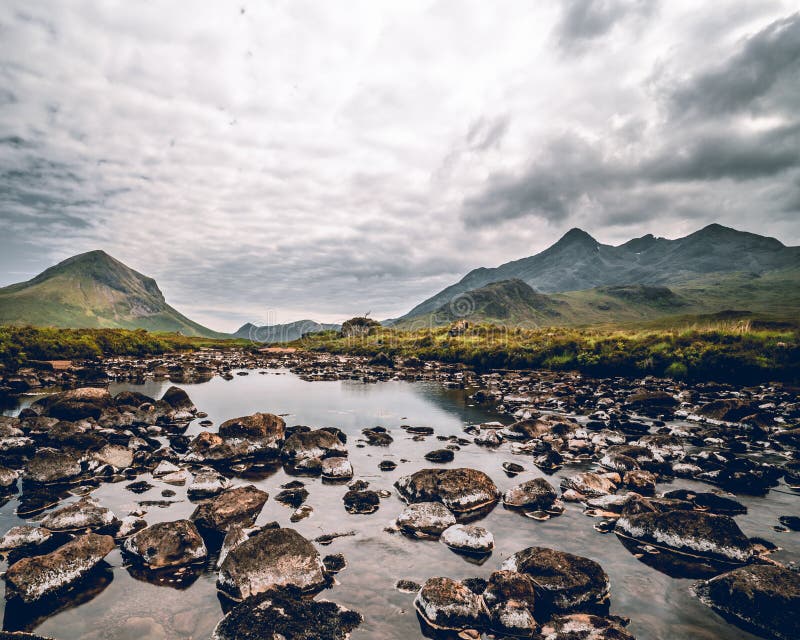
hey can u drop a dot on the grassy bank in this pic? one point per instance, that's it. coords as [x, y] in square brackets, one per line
[739, 352]
[20, 344]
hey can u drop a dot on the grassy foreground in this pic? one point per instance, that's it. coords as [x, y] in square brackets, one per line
[741, 351]
[21, 344]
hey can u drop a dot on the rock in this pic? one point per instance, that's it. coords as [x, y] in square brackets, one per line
[407, 586]
[179, 400]
[130, 525]
[567, 582]
[468, 538]
[239, 505]
[440, 455]
[651, 403]
[33, 578]
[304, 445]
[301, 513]
[696, 533]
[260, 434]
[447, 604]
[293, 497]
[8, 479]
[75, 404]
[361, 502]
[640, 481]
[114, 455]
[387, 465]
[334, 562]
[764, 598]
[140, 486]
[533, 494]
[50, 466]
[425, 519]
[581, 626]
[207, 482]
[588, 484]
[460, 490]
[511, 598]
[790, 522]
[235, 536]
[706, 500]
[268, 560]
[24, 537]
[377, 438]
[287, 617]
[86, 513]
[727, 409]
[167, 544]
[337, 469]
[165, 468]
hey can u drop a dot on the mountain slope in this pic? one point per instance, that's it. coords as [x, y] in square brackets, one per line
[281, 332]
[578, 262]
[94, 290]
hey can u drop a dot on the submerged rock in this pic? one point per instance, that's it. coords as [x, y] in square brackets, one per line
[690, 532]
[33, 578]
[567, 582]
[268, 560]
[425, 519]
[286, 616]
[581, 626]
[764, 598]
[167, 544]
[239, 505]
[460, 490]
[447, 604]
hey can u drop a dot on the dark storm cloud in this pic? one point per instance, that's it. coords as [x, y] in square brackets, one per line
[583, 21]
[763, 76]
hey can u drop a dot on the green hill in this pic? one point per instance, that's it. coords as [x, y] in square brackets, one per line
[94, 290]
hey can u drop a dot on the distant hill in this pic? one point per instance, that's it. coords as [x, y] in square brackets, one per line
[281, 332]
[646, 275]
[94, 290]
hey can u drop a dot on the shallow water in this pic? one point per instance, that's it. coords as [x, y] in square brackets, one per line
[121, 607]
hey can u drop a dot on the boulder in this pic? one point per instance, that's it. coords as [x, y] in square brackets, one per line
[50, 466]
[271, 559]
[23, 537]
[239, 505]
[178, 400]
[588, 485]
[511, 598]
[337, 469]
[533, 494]
[361, 501]
[566, 582]
[425, 519]
[696, 533]
[206, 482]
[167, 544]
[581, 626]
[447, 604]
[114, 455]
[460, 490]
[286, 615]
[318, 443]
[84, 514]
[468, 538]
[260, 434]
[440, 455]
[36, 577]
[75, 404]
[760, 597]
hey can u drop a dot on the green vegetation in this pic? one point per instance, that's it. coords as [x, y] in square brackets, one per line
[734, 351]
[20, 344]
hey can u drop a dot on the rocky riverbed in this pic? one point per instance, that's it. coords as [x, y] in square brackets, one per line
[238, 494]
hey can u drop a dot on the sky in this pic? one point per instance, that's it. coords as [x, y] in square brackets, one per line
[271, 161]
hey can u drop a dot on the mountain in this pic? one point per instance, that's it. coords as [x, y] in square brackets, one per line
[94, 290]
[578, 262]
[281, 332]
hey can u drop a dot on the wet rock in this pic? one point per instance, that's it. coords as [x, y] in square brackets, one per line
[75, 404]
[130, 525]
[425, 519]
[447, 604]
[407, 586]
[727, 409]
[468, 538]
[304, 445]
[706, 500]
[691, 532]
[33, 578]
[337, 469]
[440, 455]
[50, 466]
[790, 522]
[377, 438]
[334, 563]
[86, 513]
[640, 481]
[8, 479]
[566, 582]
[260, 434]
[239, 505]
[301, 513]
[589, 485]
[24, 537]
[286, 616]
[387, 465]
[207, 482]
[167, 544]
[651, 403]
[271, 559]
[361, 502]
[460, 490]
[116, 456]
[581, 626]
[233, 538]
[178, 400]
[763, 598]
[511, 599]
[140, 486]
[293, 497]
[512, 468]
[533, 494]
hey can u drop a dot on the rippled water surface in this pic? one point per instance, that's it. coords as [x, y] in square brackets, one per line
[122, 607]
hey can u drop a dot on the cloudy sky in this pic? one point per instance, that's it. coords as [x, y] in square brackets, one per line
[271, 161]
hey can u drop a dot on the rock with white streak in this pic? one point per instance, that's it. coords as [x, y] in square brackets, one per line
[425, 519]
[468, 538]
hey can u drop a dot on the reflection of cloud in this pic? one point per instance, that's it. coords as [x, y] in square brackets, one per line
[291, 159]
